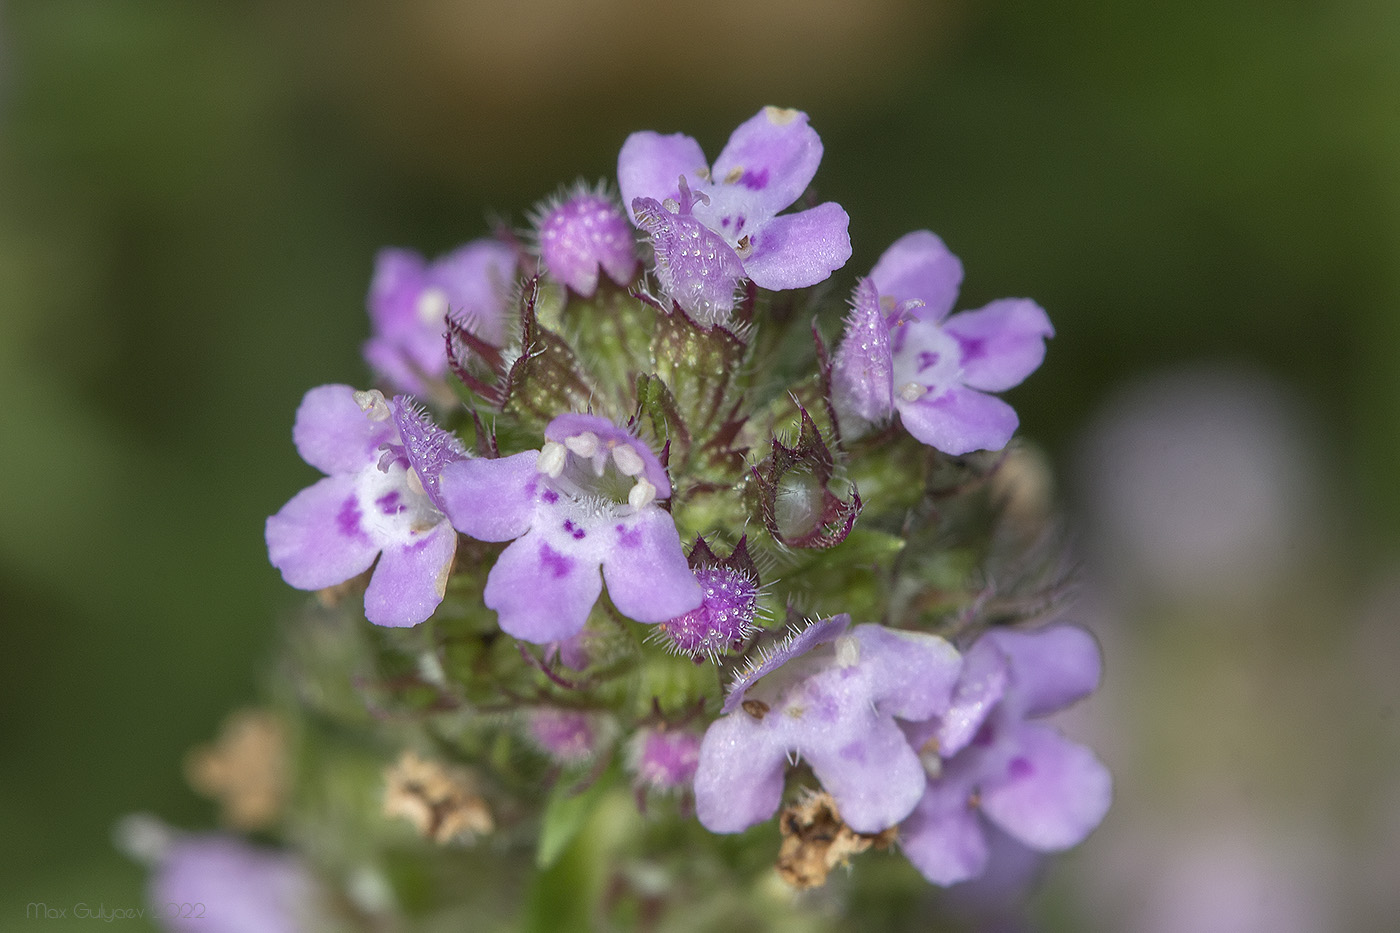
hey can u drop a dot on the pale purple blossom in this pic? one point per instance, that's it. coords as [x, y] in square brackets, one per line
[410, 300]
[663, 760]
[990, 761]
[586, 500]
[903, 352]
[568, 736]
[221, 884]
[379, 498]
[583, 234]
[831, 698]
[712, 226]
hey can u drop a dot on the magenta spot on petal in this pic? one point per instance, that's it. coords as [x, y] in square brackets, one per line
[1019, 768]
[550, 496]
[739, 224]
[556, 563]
[754, 181]
[629, 538]
[972, 347]
[725, 221]
[853, 751]
[985, 736]
[389, 503]
[926, 359]
[347, 520]
[578, 533]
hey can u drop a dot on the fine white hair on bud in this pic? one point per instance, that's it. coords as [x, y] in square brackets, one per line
[552, 457]
[373, 405]
[642, 495]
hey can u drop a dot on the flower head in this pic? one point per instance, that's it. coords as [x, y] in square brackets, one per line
[584, 501]
[242, 887]
[568, 736]
[832, 698]
[663, 760]
[1044, 791]
[379, 498]
[582, 234]
[410, 300]
[712, 226]
[902, 352]
[725, 617]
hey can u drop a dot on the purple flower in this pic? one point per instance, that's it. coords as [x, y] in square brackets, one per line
[725, 616]
[1044, 791]
[831, 698]
[580, 235]
[663, 760]
[712, 226]
[221, 884]
[902, 351]
[410, 299]
[566, 735]
[380, 497]
[587, 499]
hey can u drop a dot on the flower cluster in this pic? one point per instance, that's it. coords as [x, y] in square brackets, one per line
[616, 488]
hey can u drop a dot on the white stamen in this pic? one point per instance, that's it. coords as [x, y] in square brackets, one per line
[847, 651]
[628, 461]
[552, 457]
[373, 405]
[912, 391]
[672, 205]
[642, 494]
[585, 444]
[414, 481]
[432, 306]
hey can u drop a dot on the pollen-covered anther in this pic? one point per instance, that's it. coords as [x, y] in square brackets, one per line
[847, 651]
[414, 481]
[744, 248]
[672, 205]
[433, 306]
[628, 461]
[585, 444]
[735, 173]
[642, 494]
[912, 391]
[372, 403]
[781, 116]
[552, 458]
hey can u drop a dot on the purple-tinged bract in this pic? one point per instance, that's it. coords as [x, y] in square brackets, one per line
[832, 698]
[382, 460]
[714, 225]
[585, 501]
[902, 352]
[1044, 791]
[410, 300]
[582, 234]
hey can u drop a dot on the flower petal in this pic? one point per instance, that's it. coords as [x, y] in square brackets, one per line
[1052, 667]
[333, 434]
[316, 539]
[874, 775]
[646, 570]
[944, 837]
[797, 250]
[541, 593]
[394, 291]
[1051, 794]
[410, 580]
[919, 266]
[959, 420]
[649, 165]
[862, 375]
[1002, 343]
[913, 672]
[477, 279]
[738, 782]
[491, 500]
[773, 154]
[981, 685]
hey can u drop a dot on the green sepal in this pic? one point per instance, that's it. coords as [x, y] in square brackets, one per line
[698, 364]
[546, 379]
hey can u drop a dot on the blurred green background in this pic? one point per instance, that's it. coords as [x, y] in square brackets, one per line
[191, 195]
